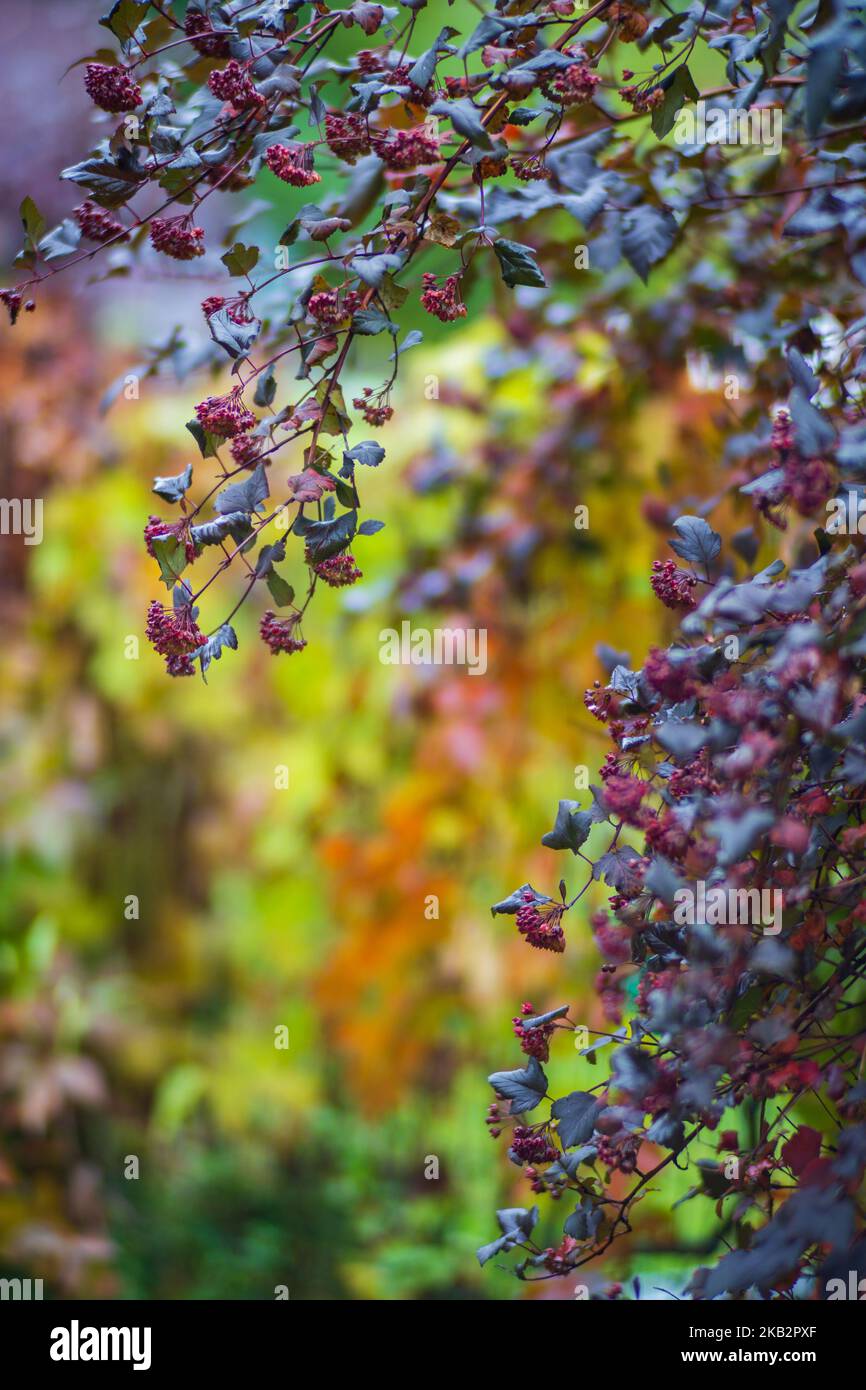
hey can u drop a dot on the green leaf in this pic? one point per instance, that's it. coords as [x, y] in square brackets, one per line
[268, 556]
[571, 828]
[412, 339]
[236, 338]
[368, 452]
[61, 240]
[112, 181]
[246, 496]
[124, 18]
[282, 593]
[679, 89]
[576, 1114]
[235, 524]
[172, 489]
[373, 269]
[825, 62]
[326, 538]
[466, 120]
[213, 650]
[170, 554]
[335, 420]
[648, 233]
[346, 494]
[392, 295]
[524, 1087]
[266, 388]
[696, 541]
[518, 264]
[240, 260]
[34, 222]
[369, 322]
[207, 443]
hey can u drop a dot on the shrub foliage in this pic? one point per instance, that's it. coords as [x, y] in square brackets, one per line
[578, 166]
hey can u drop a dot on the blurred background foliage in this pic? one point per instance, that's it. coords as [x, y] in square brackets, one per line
[152, 1036]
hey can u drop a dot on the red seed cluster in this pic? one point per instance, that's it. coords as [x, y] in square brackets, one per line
[575, 85]
[98, 225]
[200, 32]
[234, 84]
[809, 484]
[540, 924]
[623, 795]
[225, 415]
[13, 301]
[443, 301]
[292, 165]
[642, 99]
[346, 135]
[534, 1042]
[374, 411]
[559, 1259]
[176, 237]
[532, 1145]
[529, 168]
[338, 570]
[782, 437]
[173, 633]
[237, 308]
[673, 680]
[280, 633]
[112, 88]
[673, 586]
[330, 308]
[405, 149]
[245, 450]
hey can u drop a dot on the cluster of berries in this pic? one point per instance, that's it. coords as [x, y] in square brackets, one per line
[199, 30]
[539, 922]
[237, 307]
[281, 634]
[374, 409]
[98, 225]
[530, 168]
[225, 416]
[338, 570]
[672, 679]
[292, 164]
[329, 307]
[234, 84]
[176, 237]
[673, 586]
[494, 1121]
[112, 88]
[618, 1155]
[623, 795]
[346, 135]
[600, 702]
[174, 635]
[534, 1042]
[245, 450]
[642, 99]
[13, 299]
[559, 1259]
[405, 149]
[807, 483]
[443, 301]
[574, 86]
[532, 1146]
